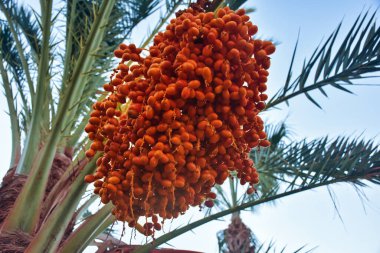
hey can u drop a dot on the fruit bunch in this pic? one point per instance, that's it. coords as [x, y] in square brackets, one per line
[191, 116]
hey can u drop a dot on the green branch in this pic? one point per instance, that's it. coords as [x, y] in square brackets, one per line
[51, 232]
[33, 138]
[33, 191]
[78, 132]
[69, 42]
[73, 92]
[81, 211]
[32, 194]
[66, 179]
[15, 128]
[88, 230]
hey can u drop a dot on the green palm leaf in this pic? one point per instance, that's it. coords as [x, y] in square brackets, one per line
[29, 27]
[14, 65]
[308, 162]
[8, 7]
[356, 59]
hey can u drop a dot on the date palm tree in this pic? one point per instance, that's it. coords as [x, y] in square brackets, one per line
[52, 65]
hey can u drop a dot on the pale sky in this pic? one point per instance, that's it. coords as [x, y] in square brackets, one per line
[307, 218]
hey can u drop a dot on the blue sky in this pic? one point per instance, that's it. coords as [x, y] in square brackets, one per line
[308, 218]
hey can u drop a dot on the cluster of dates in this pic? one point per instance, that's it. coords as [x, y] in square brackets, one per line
[192, 117]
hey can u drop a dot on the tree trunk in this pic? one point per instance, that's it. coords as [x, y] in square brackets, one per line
[16, 242]
[238, 237]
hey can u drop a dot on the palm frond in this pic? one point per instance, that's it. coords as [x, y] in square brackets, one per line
[28, 25]
[16, 219]
[14, 67]
[271, 247]
[8, 48]
[7, 8]
[50, 234]
[32, 191]
[12, 111]
[356, 59]
[235, 4]
[278, 133]
[310, 162]
[92, 84]
[88, 230]
[320, 160]
[83, 211]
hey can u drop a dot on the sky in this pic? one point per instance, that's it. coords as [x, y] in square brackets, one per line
[308, 218]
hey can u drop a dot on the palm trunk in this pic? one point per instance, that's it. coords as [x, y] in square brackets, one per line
[9, 190]
[14, 242]
[238, 237]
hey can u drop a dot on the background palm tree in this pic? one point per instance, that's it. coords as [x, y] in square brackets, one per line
[52, 64]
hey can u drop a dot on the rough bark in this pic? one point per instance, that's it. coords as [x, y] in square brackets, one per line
[238, 237]
[9, 190]
[12, 183]
[15, 242]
